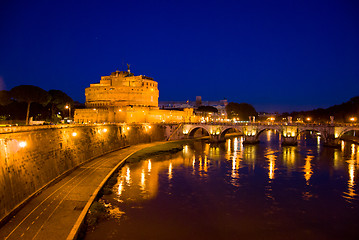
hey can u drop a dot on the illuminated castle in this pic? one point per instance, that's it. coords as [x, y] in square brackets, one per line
[122, 89]
[124, 97]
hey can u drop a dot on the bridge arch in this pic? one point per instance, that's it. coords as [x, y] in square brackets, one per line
[323, 135]
[300, 131]
[267, 128]
[348, 129]
[226, 130]
[193, 130]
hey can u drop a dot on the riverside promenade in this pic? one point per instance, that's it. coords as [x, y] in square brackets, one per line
[58, 211]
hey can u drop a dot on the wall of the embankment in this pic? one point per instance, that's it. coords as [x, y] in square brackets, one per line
[51, 151]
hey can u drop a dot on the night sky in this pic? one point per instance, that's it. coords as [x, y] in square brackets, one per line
[276, 55]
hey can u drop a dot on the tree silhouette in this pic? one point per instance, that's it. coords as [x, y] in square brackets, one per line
[240, 110]
[59, 100]
[29, 94]
[4, 97]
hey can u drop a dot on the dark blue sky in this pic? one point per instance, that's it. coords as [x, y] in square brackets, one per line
[277, 55]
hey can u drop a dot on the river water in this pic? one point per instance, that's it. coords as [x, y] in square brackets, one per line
[236, 191]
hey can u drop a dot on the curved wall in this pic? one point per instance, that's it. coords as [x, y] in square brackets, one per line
[51, 151]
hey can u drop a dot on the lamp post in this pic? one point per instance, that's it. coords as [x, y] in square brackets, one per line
[69, 108]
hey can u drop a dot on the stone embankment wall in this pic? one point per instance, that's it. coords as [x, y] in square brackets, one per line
[31, 157]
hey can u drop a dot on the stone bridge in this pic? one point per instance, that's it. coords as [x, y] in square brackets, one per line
[289, 132]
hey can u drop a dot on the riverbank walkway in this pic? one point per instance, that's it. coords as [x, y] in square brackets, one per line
[58, 211]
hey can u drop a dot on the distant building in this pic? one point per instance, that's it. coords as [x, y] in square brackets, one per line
[124, 97]
[220, 105]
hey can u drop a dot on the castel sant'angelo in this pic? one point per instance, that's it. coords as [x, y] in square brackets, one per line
[124, 97]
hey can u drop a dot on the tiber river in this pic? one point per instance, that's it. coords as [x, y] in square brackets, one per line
[236, 191]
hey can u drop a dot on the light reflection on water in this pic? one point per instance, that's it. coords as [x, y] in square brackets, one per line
[236, 191]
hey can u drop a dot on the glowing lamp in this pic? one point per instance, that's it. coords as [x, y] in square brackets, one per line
[74, 134]
[22, 144]
[104, 130]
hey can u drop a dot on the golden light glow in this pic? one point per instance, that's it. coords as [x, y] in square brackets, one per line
[235, 166]
[128, 175]
[289, 158]
[105, 130]
[170, 171]
[336, 159]
[128, 128]
[350, 194]
[22, 144]
[205, 164]
[271, 166]
[308, 168]
[74, 134]
[309, 119]
[143, 179]
[120, 188]
[351, 174]
[67, 107]
[228, 146]
[269, 133]
[353, 119]
[185, 149]
[353, 150]
[149, 166]
[271, 119]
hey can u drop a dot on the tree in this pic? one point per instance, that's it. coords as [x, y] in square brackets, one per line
[29, 94]
[59, 100]
[206, 110]
[4, 97]
[240, 110]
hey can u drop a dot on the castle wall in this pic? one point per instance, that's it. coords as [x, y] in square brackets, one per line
[133, 115]
[53, 150]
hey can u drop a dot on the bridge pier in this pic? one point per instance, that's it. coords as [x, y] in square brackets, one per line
[215, 138]
[332, 142]
[289, 141]
[250, 139]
